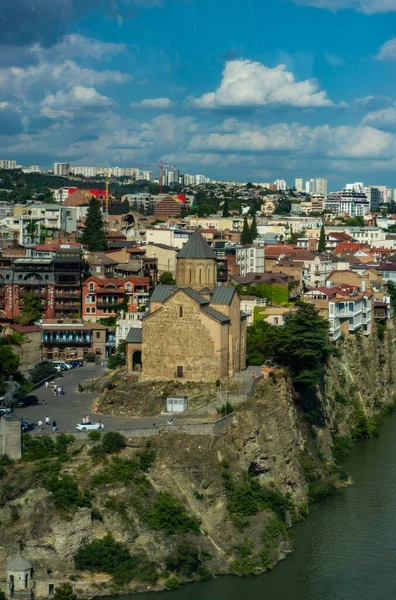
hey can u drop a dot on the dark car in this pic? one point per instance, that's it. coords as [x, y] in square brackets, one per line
[76, 362]
[26, 401]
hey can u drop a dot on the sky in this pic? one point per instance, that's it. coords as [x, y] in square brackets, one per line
[244, 90]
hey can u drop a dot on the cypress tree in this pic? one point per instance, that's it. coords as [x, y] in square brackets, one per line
[253, 229]
[225, 208]
[93, 235]
[322, 240]
[245, 236]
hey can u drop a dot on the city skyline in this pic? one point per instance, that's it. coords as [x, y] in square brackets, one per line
[93, 86]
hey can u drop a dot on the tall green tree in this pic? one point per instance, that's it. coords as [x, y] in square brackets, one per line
[322, 240]
[245, 235]
[225, 208]
[253, 229]
[166, 278]
[65, 592]
[93, 235]
[32, 309]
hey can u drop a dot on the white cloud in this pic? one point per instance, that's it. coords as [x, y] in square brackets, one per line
[76, 46]
[72, 103]
[383, 119]
[4, 105]
[361, 142]
[364, 6]
[246, 83]
[387, 50]
[153, 103]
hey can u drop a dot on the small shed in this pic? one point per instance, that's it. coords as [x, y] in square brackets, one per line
[19, 574]
[176, 403]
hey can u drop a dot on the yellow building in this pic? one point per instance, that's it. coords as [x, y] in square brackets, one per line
[195, 330]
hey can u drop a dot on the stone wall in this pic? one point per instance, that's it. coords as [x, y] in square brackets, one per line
[10, 437]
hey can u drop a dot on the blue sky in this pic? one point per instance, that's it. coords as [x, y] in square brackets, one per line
[246, 90]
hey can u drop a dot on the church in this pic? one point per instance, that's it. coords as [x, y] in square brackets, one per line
[195, 330]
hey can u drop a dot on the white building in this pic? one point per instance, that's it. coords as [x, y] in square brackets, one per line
[366, 235]
[250, 259]
[355, 204]
[355, 187]
[188, 179]
[61, 169]
[48, 216]
[125, 324]
[148, 175]
[8, 164]
[299, 185]
[374, 197]
[61, 194]
[280, 185]
[318, 186]
[32, 169]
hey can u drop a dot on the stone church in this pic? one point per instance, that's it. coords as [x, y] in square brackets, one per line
[195, 329]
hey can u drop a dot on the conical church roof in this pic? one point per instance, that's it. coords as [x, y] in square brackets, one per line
[18, 563]
[196, 247]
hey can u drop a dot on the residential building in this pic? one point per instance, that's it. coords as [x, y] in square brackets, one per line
[50, 218]
[299, 185]
[6, 209]
[192, 333]
[165, 255]
[347, 308]
[66, 339]
[387, 271]
[318, 186]
[148, 175]
[30, 352]
[101, 265]
[62, 169]
[250, 259]
[102, 298]
[53, 274]
[170, 206]
[175, 238]
[248, 304]
[366, 235]
[32, 169]
[125, 323]
[188, 179]
[374, 197]
[8, 164]
[280, 185]
[355, 204]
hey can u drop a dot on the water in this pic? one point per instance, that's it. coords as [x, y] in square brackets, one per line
[346, 550]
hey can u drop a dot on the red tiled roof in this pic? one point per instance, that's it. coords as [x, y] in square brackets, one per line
[25, 328]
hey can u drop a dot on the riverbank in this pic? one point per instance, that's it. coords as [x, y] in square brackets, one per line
[225, 502]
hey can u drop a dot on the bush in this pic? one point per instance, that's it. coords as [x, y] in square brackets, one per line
[125, 471]
[108, 556]
[42, 371]
[90, 357]
[65, 493]
[186, 559]
[96, 515]
[173, 583]
[94, 436]
[113, 442]
[169, 515]
[64, 592]
[320, 491]
[146, 459]
[44, 447]
[341, 447]
[225, 409]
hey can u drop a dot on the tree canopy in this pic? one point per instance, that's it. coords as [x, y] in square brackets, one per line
[32, 309]
[93, 235]
[245, 235]
[166, 278]
[322, 240]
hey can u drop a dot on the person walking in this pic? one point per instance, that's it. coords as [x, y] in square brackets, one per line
[43, 400]
[47, 421]
[62, 390]
[46, 385]
[54, 428]
[40, 425]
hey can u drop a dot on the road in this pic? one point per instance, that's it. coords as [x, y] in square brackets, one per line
[68, 410]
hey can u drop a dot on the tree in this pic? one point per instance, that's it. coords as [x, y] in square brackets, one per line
[166, 278]
[225, 208]
[253, 229]
[245, 236]
[322, 240]
[64, 592]
[93, 235]
[355, 222]
[284, 207]
[32, 309]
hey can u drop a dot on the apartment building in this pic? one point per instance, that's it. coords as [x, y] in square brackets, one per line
[348, 309]
[250, 259]
[52, 218]
[64, 339]
[355, 204]
[101, 298]
[8, 164]
[61, 169]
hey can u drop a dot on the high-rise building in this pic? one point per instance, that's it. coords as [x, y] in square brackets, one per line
[394, 195]
[61, 169]
[32, 169]
[318, 186]
[299, 185]
[188, 179]
[374, 197]
[355, 187]
[200, 179]
[280, 185]
[148, 175]
[307, 187]
[8, 164]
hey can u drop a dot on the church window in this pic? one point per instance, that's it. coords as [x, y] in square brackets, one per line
[190, 276]
[180, 311]
[200, 276]
[209, 278]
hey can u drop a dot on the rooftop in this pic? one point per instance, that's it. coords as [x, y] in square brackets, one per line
[196, 247]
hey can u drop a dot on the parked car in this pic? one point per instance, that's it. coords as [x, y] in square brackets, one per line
[5, 410]
[26, 401]
[89, 426]
[62, 365]
[76, 362]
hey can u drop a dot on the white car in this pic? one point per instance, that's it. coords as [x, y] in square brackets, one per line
[89, 426]
[62, 366]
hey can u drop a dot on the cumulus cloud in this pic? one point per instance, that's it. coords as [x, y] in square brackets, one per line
[75, 46]
[387, 50]
[153, 103]
[361, 142]
[382, 119]
[72, 103]
[247, 83]
[364, 6]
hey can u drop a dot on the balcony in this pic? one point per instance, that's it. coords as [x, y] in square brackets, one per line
[70, 294]
[67, 340]
[102, 304]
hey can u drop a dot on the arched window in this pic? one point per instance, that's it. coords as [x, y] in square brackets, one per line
[93, 310]
[180, 311]
[88, 310]
[91, 287]
[200, 276]
[190, 276]
[209, 277]
[128, 287]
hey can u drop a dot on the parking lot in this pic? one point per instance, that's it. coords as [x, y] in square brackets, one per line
[68, 410]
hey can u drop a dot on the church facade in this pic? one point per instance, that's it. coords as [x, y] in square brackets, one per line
[195, 330]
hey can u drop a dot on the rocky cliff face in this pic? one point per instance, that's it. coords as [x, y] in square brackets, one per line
[244, 486]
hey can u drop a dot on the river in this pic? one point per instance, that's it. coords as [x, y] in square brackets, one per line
[345, 550]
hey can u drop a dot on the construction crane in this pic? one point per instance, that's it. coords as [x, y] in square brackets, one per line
[161, 167]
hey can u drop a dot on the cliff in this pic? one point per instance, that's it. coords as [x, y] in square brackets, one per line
[225, 502]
